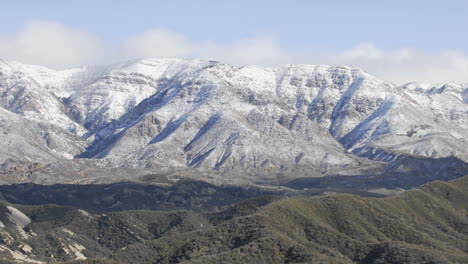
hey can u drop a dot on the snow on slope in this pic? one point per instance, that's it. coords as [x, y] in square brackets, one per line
[34, 91]
[32, 140]
[122, 87]
[210, 115]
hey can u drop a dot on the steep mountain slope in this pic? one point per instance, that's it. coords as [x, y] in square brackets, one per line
[256, 122]
[423, 133]
[427, 225]
[33, 92]
[33, 140]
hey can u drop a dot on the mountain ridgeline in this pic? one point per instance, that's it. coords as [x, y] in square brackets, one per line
[191, 161]
[220, 123]
[425, 225]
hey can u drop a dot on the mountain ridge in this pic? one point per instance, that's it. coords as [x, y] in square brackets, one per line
[424, 225]
[291, 119]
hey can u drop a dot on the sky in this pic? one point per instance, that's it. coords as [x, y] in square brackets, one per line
[400, 41]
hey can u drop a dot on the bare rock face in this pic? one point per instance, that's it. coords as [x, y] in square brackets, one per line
[257, 123]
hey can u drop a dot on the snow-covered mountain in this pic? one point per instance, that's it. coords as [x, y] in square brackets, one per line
[173, 113]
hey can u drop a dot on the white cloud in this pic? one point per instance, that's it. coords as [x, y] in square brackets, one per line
[155, 43]
[405, 65]
[263, 50]
[51, 44]
[259, 50]
[55, 45]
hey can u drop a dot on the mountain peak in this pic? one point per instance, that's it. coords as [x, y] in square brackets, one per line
[293, 119]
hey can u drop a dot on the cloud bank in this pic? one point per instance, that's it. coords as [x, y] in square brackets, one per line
[405, 64]
[58, 46]
[51, 44]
